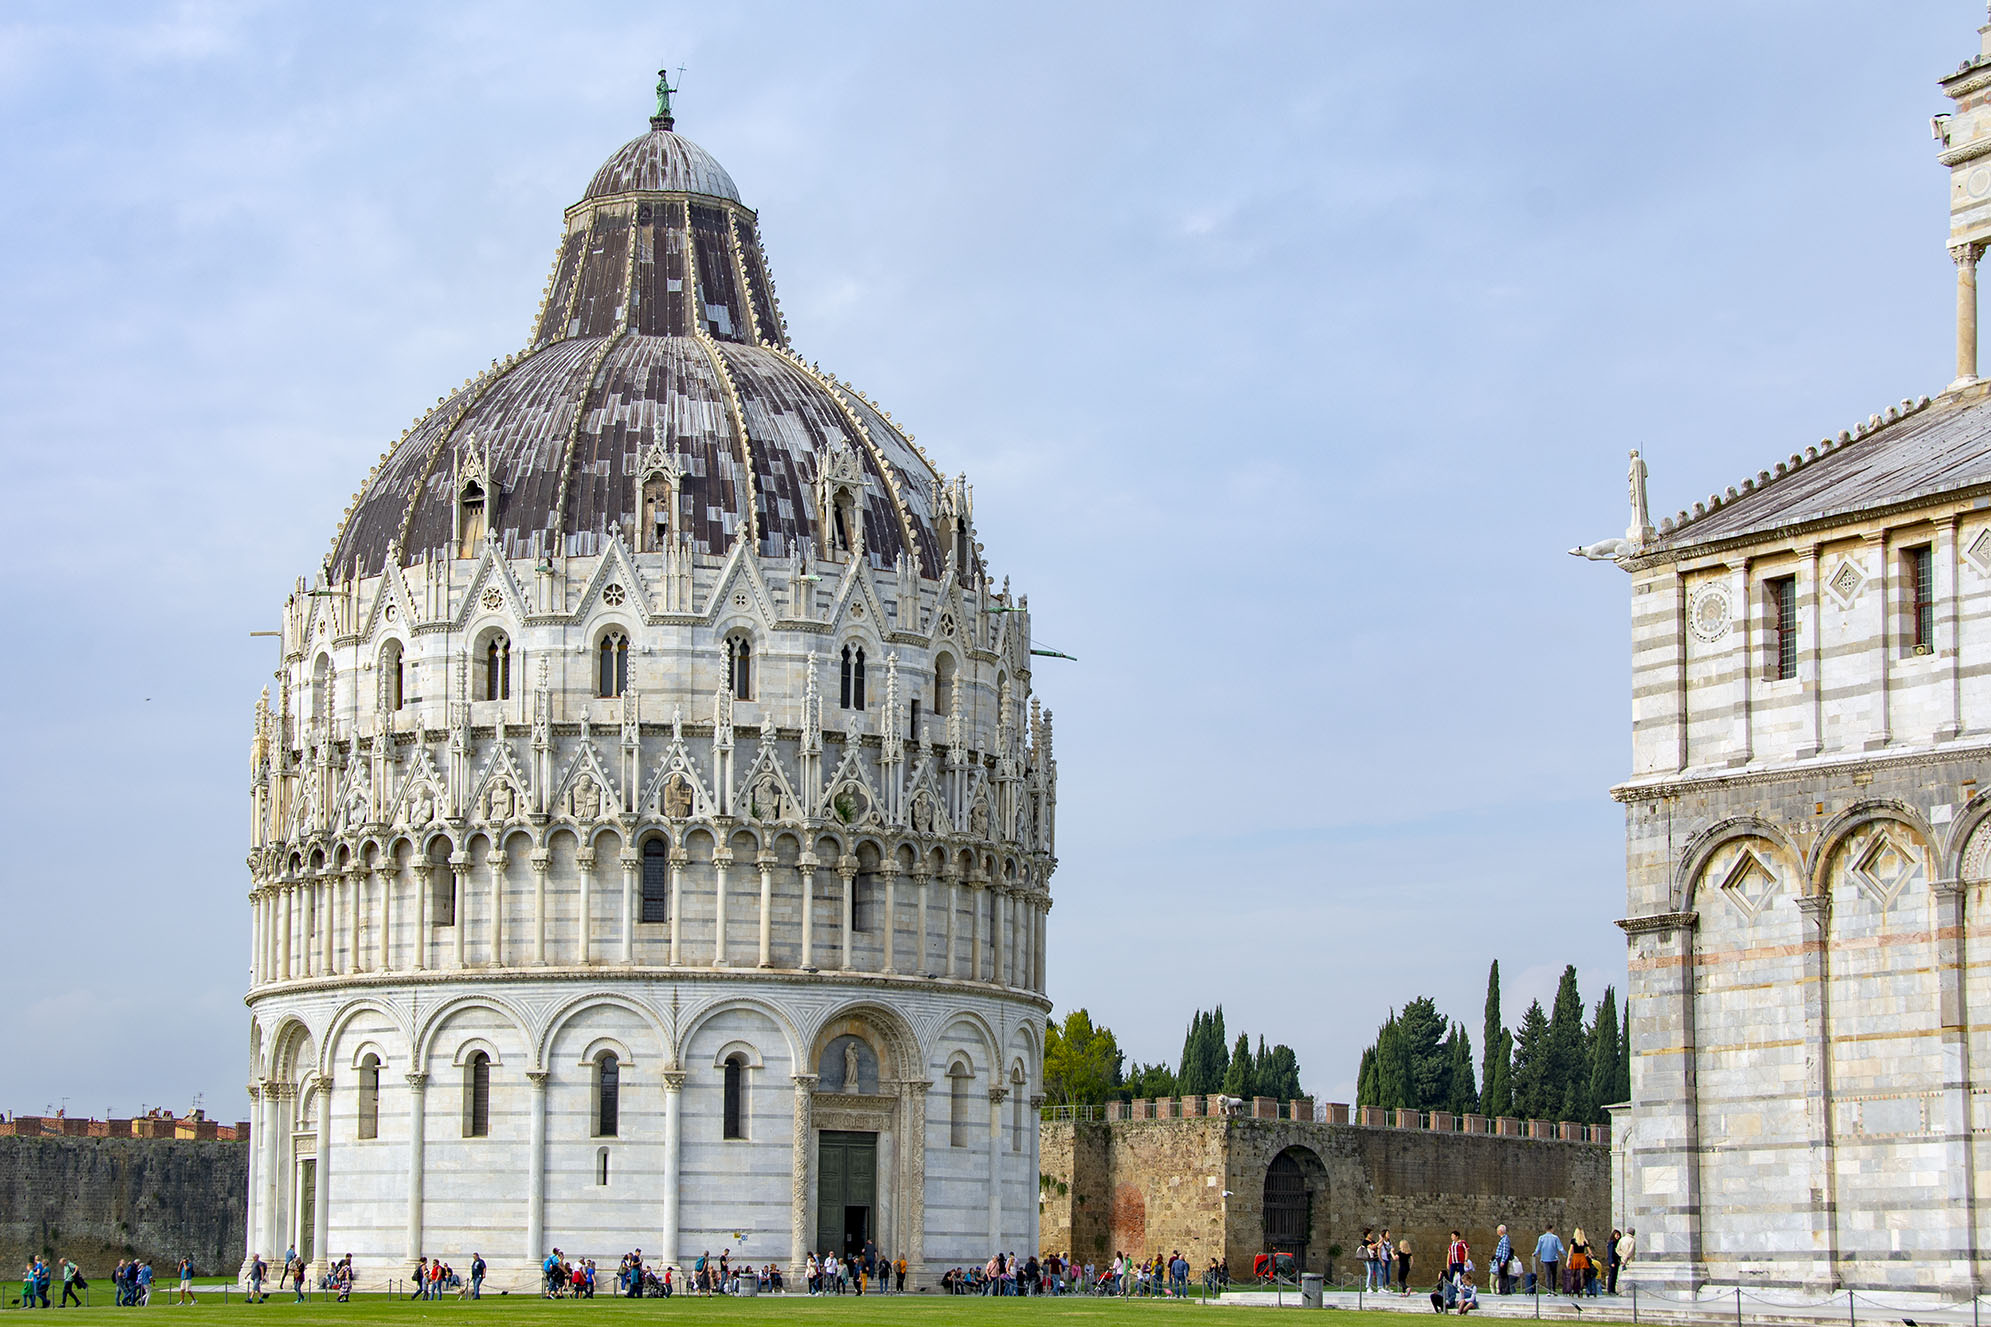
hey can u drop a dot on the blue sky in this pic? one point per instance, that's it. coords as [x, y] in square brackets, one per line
[1287, 347]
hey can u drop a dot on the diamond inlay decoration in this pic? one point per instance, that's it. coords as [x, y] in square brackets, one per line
[1846, 583]
[1978, 551]
[1883, 869]
[1749, 884]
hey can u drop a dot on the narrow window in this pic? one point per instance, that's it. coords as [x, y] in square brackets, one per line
[442, 895]
[740, 667]
[601, 1166]
[734, 1124]
[912, 728]
[608, 1095]
[960, 1100]
[943, 686]
[470, 520]
[657, 507]
[963, 550]
[843, 681]
[846, 522]
[369, 1097]
[477, 1096]
[864, 902]
[498, 668]
[857, 678]
[390, 675]
[656, 881]
[1016, 1107]
[1783, 628]
[1920, 573]
[613, 665]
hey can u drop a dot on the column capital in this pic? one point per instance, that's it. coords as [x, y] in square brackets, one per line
[1966, 254]
[673, 1080]
[541, 859]
[998, 1094]
[537, 1077]
[585, 859]
[1817, 907]
[255, 1091]
[1947, 891]
[805, 1082]
[417, 1081]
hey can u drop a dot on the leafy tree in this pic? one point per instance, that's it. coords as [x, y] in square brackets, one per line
[1494, 1041]
[1149, 1080]
[1239, 1081]
[1530, 1087]
[1282, 1075]
[1081, 1061]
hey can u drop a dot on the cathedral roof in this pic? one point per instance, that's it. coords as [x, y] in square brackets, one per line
[1915, 451]
[660, 337]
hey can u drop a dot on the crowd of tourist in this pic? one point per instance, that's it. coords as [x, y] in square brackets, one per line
[1576, 1268]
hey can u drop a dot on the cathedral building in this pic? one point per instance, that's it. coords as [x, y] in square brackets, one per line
[652, 825]
[1808, 840]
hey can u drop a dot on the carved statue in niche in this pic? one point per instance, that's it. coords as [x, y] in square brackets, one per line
[587, 799]
[922, 813]
[422, 806]
[677, 798]
[978, 818]
[503, 803]
[766, 800]
[850, 1067]
[359, 801]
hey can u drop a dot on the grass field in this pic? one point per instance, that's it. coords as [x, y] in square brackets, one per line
[524, 1311]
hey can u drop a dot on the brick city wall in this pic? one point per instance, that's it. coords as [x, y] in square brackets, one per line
[99, 1199]
[1159, 1184]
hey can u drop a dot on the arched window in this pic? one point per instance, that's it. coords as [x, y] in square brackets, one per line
[369, 1096]
[608, 1095]
[601, 1166]
[391, 690]
[846, 521]
[470, 520]
[734, 1123]
[657, 514]
[850, 681]
[442, 886]
[740, 667]
[864, 909]
[912, 723]
[477, 1096]
[960, 1105]
[497, 678]
[321, 690]
[656, 881]
[943, 686]
[612, 672]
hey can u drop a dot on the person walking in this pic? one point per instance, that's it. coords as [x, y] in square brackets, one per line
[477, 1270]
[1548, 1261]
[69, 1280]
[1403, 1256]
[259, 1272]
[1621, 1253]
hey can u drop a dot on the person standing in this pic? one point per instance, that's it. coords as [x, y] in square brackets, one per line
[1621, 1253]
[477, 1270]
[1548, 1261]
[1456, 1256]
[1385, 1259]
[187, 1281]
[1503, 1262]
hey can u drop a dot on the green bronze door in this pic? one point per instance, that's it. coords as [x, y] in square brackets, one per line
[846, 1191]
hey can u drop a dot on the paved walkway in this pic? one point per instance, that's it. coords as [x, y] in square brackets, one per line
[1711, 1308]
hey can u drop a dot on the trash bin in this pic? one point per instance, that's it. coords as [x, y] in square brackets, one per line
[749, 1284]
[1310, 1283]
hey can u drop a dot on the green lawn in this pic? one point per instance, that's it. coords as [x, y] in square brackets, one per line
[908, 1310]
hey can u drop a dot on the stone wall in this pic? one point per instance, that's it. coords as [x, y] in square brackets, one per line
[98, 1199]
[1197, 1184]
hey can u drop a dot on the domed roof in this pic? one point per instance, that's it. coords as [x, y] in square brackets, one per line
[660, 347]
[662, 162]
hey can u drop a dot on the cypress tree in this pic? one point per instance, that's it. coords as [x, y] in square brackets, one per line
[1393, 1086]
[1564, 1076]
[1365, 1079]
[1603, 1055]
[1237, 1078]
[1460, 1096]
[1623, 1090]
[1529, 1087]
[1493, 1034]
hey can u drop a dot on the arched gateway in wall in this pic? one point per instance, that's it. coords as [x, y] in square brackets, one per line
[653, 822]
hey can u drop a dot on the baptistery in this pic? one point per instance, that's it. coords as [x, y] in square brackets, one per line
[651, 821]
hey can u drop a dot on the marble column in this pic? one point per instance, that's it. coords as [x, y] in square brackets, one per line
[1965, 256]
[912, 1154]
[808, 865]
[673, 1160]
[496, 862]
[996, 1096]
[891, 873]
[275, 1126]
[321, 1193]
[1816, 909]
[802, 1164]
[308, 930]
[1949, 909]
[252, 1224]
[721, 859]
[629, 864]
[765, 861]
[1666, 1099]
[584, 861]
[953, 917]
[329, 904]
[459, 867]
[417, 1083]
[923, 879]
[542, 860]
[535, 1180]
[848, 874]
[975, 893]
[420, 947]
[284, 946]
[678, 859]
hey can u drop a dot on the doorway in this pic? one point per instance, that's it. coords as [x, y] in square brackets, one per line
[307, 1208]
[846, 1191]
